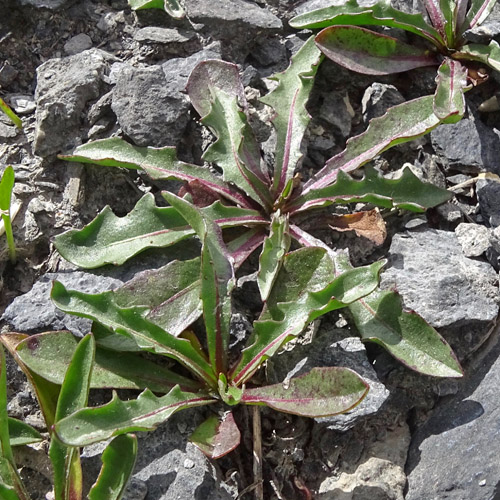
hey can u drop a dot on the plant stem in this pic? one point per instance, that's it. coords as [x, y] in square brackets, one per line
[10, 237]
[257, 453]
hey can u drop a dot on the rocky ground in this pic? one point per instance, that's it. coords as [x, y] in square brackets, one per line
[83, 70]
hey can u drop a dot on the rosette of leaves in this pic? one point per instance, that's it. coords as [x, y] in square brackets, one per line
[271, 208]
[460, 64]
[57, 400]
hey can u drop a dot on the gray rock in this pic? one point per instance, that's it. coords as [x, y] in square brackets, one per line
[449, 290]
[149, 102]
[155, 34]
[135, 490]
[63, 89]
[474, 239]
[47, 4]
[454, 455]
[469, 145]
[378, 98]
[22, 104]
[488, 195]
[489, 29]
[78, 44]
[34, 312]
[335, 111]
[333, 347]
[231, 15]
[7, 74]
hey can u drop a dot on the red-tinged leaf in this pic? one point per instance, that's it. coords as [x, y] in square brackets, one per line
[365, 51]
[319, 393]
[118, 461]
[460, 13]
[381, 13]
[406, 192]
[145, 413]
[487, 54]
[291, 118]
[131, 323]
[436, 16]
[217, 281]
[46, 392]
[216, 437]
[449, 99]
[158, 163]
[478, 12]
[400, 124]
[216, 92]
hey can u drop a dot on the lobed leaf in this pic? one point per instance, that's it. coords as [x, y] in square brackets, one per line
[449, 99]
[273, 250]
[49, 355]
[319, 393]
[291, 118]
[408, 192]
[379, 14]
[171, 7]
[118, 461]
[131, 323]
[20, 433]
[91, 425]
[305, 289]
[380, 318]
[365, 51]
[109, 239]
[216, 437]
[400, 124]
[158, 163]
[216, 92]
[217, 281]
[68, 482]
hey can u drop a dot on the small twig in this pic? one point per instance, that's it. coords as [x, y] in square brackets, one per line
[257, 453]
[485, 175]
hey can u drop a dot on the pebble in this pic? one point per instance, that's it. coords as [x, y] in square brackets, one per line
[78, 44]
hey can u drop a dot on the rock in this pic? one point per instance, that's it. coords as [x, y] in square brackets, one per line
[450, 212]
[488, 195]
[454, 455]
[47, 4]
[77, 44]
[489, 29]
[63, 89]
[34, 312]
[449, 290]
[474, 239]
[337, 111]
[378, 475]
[378, 98]
[149, 102]
[155, 34]
[468, 145]
[22, 104]
[135, 490]
[332, 347]
[231, 15]
[7, 74]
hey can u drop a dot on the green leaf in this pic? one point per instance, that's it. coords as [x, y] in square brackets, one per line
[291, 118]
[158, 163]
[408, 192]
[478, 12]
[216, 92]
[216, 437]
[449, 99]
[5, 447]
[273, 250]
[91, 425]
[400, 124]
[73, 396]
[487, 54]
[49, 355]
[131, 323]
[21, 433]
[46, 392]
[13, 117]
[380, 14]
[118, 461]
[319, 393]
[305, 289]
[365, 51]
[171, 7]
[380, 318]
[437, 17]
[217, 281]
[6, 187]
[9, 493]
